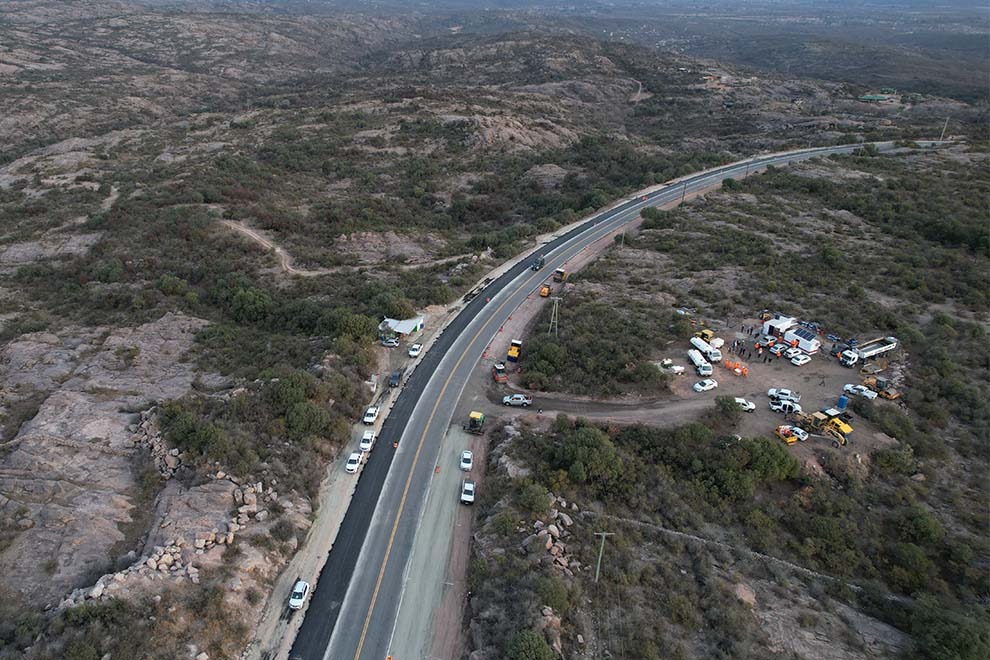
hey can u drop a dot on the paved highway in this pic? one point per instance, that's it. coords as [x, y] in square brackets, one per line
[353, 608]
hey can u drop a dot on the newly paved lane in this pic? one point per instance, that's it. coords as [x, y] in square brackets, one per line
[353, 608]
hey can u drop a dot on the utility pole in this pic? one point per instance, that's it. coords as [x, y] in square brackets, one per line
[554, 317]
[683, 192]
[601, 550]
[944, 126]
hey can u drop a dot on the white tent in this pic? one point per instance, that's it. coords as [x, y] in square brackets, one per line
[403, 327]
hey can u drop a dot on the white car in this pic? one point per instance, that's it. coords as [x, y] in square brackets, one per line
[705, 385]
[415, 350]
[792, 353]
[371, 415]
[467, 492]
[467, 460]
[800, 360]
[783, 395]
[367, 441]
[298, 596]
[744, 405]
[799, 433]
[859, 390]
[353, 463]
[390, 343]
[786, 407]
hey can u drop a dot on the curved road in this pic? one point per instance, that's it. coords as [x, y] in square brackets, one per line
[352, 611]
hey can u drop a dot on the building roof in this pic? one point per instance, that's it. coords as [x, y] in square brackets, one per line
[804, 333]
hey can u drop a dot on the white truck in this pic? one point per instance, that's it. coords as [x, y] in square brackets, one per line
[851, 356]
[706, 349]
[701, 365]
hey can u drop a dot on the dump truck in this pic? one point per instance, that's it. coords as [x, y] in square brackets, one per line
[514, 349]
[560, 275]
[882, 386]
[872, 348]
[499, 374]
[545, 290]
[701, 365]
[475, 422]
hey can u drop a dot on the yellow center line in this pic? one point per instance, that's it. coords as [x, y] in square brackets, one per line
[422, 439]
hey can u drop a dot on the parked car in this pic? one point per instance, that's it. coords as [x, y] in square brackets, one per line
[467, 460]
[371, 415]
[467, 492]
[783, 395]
[800, 360]
[297, 598]
[367, 440]
[790, 434]
[353, 463]
[415, 350]
[391, 342]
[705, 385]
[859, 390]
[669, 365]
[523, 400]
[837, 349]
[744, 405]
[778, 349]
[786, 407]
[395, 378]
[766, 341]
[792, 353]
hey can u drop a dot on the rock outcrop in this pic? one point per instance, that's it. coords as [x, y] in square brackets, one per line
[72, 470]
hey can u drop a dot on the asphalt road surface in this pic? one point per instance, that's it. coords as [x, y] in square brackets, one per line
[353, 608]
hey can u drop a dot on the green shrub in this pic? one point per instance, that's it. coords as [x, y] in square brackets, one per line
[529, 645]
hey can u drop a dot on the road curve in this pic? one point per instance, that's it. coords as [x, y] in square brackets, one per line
[353, 608]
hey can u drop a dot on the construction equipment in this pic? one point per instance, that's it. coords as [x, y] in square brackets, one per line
[499, 374]
[475, 423]
[830, 423]
[705, 335]
[784, 433]
[515, 348]
[545, 291]
[882, 386]
[560, 275]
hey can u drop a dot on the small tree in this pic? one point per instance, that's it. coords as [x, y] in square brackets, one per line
[529, 645]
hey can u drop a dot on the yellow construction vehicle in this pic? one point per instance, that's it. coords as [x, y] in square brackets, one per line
[475, 423]
[881, 386]
[545, 290]
[829, 423]
[705, 335]
[560, 275]
[784, 433]
[515, 348]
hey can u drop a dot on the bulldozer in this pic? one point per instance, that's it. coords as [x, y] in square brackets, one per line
[882, 386]
[475, 422]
